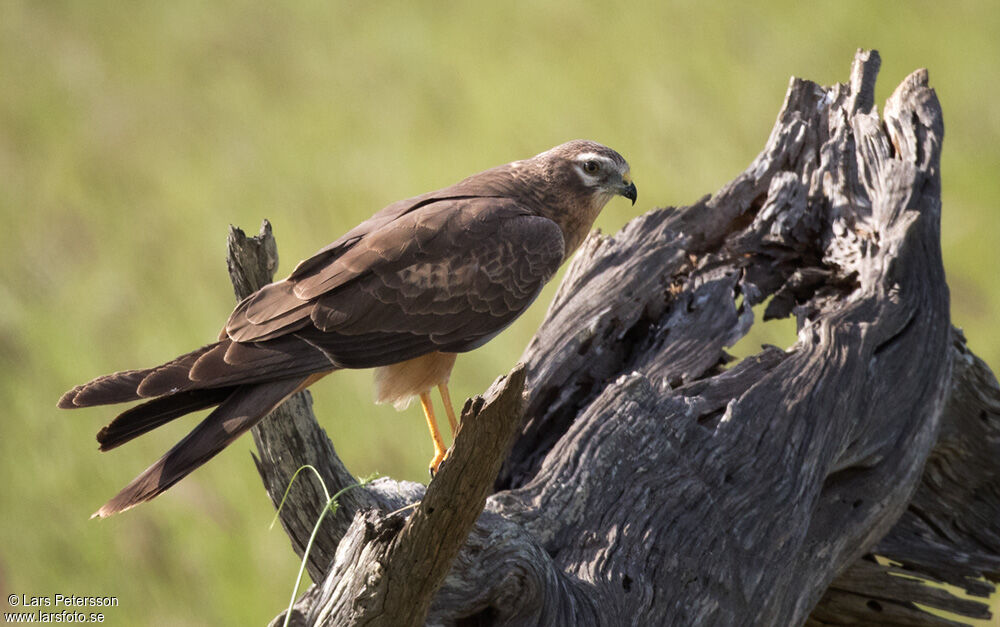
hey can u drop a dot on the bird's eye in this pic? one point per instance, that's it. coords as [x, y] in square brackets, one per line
[590, 167]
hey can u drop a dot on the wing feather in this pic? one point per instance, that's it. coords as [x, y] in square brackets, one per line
[447, 275]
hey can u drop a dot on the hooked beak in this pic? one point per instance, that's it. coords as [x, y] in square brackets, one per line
[627, 188]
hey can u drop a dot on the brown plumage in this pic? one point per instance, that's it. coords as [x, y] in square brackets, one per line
[423, 279]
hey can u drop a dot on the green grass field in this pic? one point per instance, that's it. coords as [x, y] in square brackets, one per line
[131, 136]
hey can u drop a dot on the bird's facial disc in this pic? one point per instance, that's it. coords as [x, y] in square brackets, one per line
[605, 176]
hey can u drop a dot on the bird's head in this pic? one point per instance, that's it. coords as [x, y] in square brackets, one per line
[590, 169]
[579, 178]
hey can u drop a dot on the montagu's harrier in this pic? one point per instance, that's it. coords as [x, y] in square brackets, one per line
[403, 292]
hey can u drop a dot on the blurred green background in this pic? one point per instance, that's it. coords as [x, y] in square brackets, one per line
[131, 136]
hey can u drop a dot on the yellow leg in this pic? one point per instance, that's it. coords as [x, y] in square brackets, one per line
[439, 448]
[446, 399]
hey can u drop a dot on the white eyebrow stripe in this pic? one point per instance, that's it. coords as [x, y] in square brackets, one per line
[587, 156]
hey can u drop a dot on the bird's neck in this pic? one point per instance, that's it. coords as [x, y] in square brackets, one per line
[577, 220]
[574, 213]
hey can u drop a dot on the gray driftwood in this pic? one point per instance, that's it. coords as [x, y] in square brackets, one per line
[654, 482]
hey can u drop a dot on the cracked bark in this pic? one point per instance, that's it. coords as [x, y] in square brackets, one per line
[652, 481]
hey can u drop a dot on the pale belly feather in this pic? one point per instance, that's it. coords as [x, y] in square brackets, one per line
[399, 383]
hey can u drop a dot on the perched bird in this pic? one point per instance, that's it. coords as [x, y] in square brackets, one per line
[403, 292]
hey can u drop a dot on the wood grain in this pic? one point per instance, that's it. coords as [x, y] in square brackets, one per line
[655, 482]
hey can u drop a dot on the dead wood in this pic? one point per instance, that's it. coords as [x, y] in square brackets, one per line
[655, 482]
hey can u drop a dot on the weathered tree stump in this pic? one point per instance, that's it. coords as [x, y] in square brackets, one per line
[650, 484]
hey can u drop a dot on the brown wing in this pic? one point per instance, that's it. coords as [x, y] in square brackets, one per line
[448, 275]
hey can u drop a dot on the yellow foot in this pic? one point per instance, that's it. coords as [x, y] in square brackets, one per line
[436, 462]
[439, 449]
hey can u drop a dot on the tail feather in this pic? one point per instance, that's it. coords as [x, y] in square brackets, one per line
[152, 414]
[173, 376]
[224, 364]
[245, 380]
[123, 387]
[119, 387]
[244, 408]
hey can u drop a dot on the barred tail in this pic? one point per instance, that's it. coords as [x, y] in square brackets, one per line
[245, 406]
